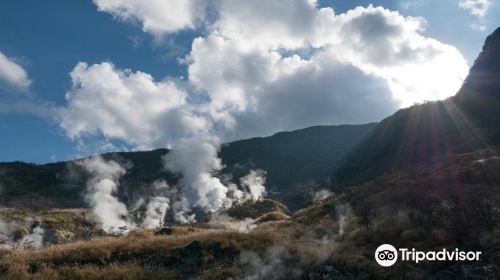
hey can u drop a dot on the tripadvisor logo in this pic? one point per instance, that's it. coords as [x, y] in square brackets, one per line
[387, 255]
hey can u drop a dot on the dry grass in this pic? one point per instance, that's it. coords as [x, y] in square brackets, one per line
[190, 252]
[272, 217]
[254, 210]
[63, 225]
[140, 255]
[14, 214]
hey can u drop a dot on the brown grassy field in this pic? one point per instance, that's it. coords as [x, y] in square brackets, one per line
[196, 251]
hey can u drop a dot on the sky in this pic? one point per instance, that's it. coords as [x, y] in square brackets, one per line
[84, 77]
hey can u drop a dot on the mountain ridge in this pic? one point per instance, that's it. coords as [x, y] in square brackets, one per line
[64, 182]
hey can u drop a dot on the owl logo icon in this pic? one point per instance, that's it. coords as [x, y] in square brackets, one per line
[386, 255]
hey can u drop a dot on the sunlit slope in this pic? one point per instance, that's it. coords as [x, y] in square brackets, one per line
[421, 134]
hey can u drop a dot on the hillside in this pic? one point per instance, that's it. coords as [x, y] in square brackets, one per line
[428, 177]
[296, 162]
[288, 157]
[332, 239]
[422, 134]
[60, 185]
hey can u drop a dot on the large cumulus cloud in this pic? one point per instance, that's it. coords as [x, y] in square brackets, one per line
[348, 68]
[286, 61]
[126, 105]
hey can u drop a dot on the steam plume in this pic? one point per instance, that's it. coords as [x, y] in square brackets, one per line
[157, 207]
[198, 161]
[10, 234]
[272, 265]
[253, 185]
[101, 187]
[229, 223]
[321, 195]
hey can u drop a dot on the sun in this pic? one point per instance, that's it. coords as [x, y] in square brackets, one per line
[435, 79]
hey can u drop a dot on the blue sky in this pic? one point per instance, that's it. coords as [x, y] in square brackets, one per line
[52, 37]
[48, 38]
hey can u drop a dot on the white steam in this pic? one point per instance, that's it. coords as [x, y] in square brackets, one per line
[225, 222]
[253, 185]
[252, 188]
[21, 235]
[272, 265]
[34, 239]
[112, 214]
[344, 212]
[198, 189]
[157, 207]
[321, 195]
[101, 189]
[198, 162]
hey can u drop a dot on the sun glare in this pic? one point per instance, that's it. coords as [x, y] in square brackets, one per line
[437, 79]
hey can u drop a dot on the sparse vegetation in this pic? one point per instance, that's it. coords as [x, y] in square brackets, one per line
[411, 210]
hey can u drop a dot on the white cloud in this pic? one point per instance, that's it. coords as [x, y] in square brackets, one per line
[13, 74]
[14, 79]
[325, 91]
[286, 61]
[267, 24]
[122, 104]
[250, 42]
[24, 104]
[388, 45]
[258, 93]
[348, 68]
[156, 16]
[477, 8]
